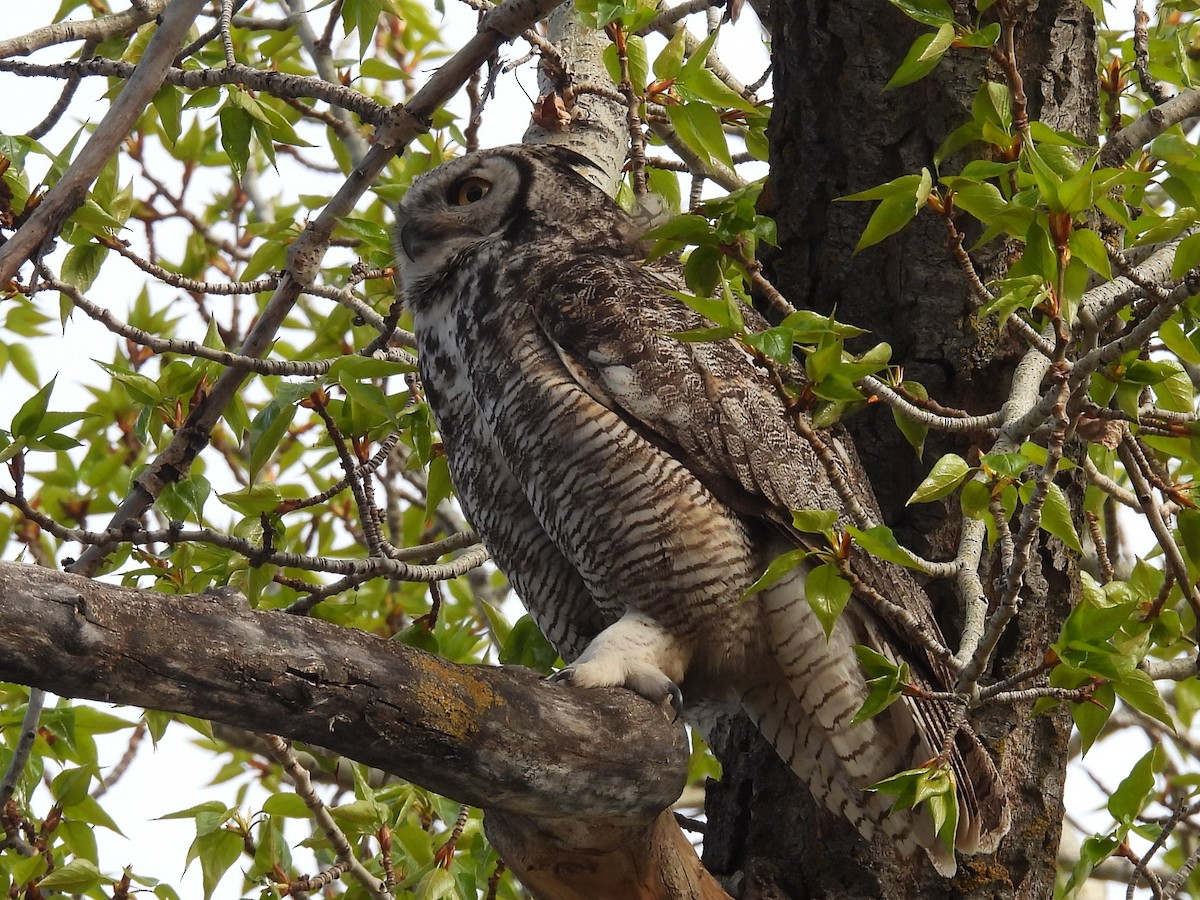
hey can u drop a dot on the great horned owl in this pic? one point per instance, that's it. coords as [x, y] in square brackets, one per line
[632, 486]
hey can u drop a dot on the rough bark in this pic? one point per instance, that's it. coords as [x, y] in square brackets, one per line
[834, 131]
[498, 738]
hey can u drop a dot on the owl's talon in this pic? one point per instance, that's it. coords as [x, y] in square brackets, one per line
[676, 700]
[651, 684]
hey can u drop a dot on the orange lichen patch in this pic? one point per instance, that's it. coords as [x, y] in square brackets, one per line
[457, 697]
[979, 872]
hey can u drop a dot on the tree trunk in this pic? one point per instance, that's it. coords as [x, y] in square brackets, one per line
[834, 131]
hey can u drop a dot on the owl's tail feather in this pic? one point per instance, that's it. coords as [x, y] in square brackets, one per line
[805, 706]
[837, 767]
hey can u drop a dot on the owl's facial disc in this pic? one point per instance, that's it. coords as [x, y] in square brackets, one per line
[453, 209]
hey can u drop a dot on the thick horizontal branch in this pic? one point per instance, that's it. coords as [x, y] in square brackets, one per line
[498, 738]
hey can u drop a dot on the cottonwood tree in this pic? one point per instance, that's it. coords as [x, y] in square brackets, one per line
[249, 529]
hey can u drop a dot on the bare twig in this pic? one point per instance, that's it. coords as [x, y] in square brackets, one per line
[69, 192]
[281, 751]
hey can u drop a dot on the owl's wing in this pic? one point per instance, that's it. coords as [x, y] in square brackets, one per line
[708, 405]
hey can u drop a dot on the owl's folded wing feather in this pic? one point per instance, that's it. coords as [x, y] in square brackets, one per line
[710, 406]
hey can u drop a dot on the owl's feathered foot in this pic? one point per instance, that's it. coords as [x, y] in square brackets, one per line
[652, 685]
[635, 653]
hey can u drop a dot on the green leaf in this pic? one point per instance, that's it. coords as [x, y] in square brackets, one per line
[88, 810]
[357, 368]
[983, 38]
[668, 63]
[975, 499]
[76, 877]
[1090, 717]
[1132, 794]
[884, 682]
[705, 84]
[774, 343]
[437, 485]
[269, 427]
[685, 229]
[703, 335]
[217, 851]
[1093, 851]
[208, 808]
[780, 567]
[1178, 342]
[639, 66]
[914, 432]
[946, 475]
[1088, 247]
[527, 646]
[168, 103]
[236, 128]
[70, 786]
[82, 264]
[1187, 256]
[288, 805]
[927, 12]
[809, 327]
[437, 884]
[1048, 181]
[881, 543]
[700, 127]
[1137, 689]
[1056, 518]
[253, 501]
[25, 423]
[894, 212]
[25, 870]
[361, 816]
[814, 521]
[1005, 465]
[1174, 392]
[184, 500]
[827, 593]
[697, 60]
[923, 56]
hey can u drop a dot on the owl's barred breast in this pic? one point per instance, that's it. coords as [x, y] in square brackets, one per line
[492, 499]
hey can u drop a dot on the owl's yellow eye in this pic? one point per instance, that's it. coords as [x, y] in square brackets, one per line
[470, 190]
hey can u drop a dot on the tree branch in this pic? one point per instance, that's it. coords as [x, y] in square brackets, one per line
[99, 29]
[66, 196]
[526, 750]
[491, 737]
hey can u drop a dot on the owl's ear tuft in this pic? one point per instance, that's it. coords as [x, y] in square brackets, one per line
[568, 157]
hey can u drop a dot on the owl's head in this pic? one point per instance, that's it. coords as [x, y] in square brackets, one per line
[529, 195]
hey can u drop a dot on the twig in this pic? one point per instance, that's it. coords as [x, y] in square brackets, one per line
[20, 757]
[305, 255]
[872, 386]
[226, 37]
[70, 190]
[98, 29]
[1135, 467]
[1141, 55]
[282, 753]
[375, 566]
[277, 84]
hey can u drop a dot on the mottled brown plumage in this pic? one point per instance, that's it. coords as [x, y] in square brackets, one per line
[632, 486]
